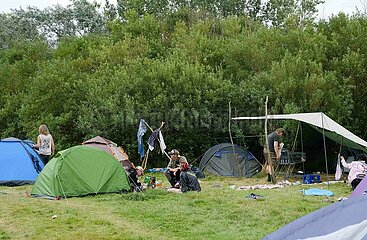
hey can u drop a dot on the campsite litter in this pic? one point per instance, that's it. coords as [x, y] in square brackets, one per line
[175, 190]
[317, 192]
[159, 184]
[280, 184]
[342, 199]
[153, 170]
[328, 199]
[150, 182]
[261, 186]
[254, 196]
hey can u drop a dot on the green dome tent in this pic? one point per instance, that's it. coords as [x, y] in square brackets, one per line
[80, 171]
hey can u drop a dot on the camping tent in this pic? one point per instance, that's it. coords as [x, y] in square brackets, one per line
[110, 147]
[220, 160]
[361, 189]
[20, 163]
[341, 220]
[79, 171]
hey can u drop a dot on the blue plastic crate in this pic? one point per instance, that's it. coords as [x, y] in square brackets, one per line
[311, 178]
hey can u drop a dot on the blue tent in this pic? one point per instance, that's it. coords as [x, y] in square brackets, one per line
[20, 163]
[342, 220]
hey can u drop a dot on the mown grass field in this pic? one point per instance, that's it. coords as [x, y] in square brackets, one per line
[218, 212]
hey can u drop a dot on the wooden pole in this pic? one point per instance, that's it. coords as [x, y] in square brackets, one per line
[145, 161]
[269, 163]
[230, 137]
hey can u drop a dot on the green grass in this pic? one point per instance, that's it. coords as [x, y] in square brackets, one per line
[218, 212]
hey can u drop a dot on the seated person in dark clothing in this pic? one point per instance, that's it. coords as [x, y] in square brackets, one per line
[134, 174]
[173, 170]
[188, 179]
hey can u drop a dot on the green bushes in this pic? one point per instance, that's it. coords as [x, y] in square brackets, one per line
[183, 70]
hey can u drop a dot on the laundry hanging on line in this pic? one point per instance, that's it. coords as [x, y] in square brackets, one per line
[155, 140]
[141, 131]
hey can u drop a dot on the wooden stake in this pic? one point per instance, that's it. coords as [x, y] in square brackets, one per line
[269, 163]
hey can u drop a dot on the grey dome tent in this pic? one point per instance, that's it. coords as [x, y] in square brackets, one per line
[220, 160]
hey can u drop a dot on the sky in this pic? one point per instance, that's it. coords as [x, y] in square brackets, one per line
[6, 5]
[325, 10]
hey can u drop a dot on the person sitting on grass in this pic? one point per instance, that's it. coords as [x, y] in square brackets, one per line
[188, 179]
[358, 169]
[173, 170]
[134, 174]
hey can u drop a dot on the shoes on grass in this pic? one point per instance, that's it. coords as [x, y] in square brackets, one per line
[254, 196]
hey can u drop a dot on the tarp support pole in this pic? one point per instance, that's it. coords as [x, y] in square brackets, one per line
[339, 154]
[323, 137]
[303, 162]
[295, 138]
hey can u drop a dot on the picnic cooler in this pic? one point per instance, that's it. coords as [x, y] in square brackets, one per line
[311, 178]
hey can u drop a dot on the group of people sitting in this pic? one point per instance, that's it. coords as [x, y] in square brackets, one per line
[178, 174]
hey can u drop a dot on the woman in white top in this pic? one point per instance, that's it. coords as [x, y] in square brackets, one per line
[358, 169]
[45, 144]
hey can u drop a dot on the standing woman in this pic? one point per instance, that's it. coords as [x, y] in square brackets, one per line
[45, 144]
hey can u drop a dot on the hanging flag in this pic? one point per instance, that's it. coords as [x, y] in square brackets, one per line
[142, 129]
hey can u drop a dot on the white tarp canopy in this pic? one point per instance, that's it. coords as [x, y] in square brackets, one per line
[333, 131]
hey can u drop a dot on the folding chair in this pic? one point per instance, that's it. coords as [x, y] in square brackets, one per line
[288, 161]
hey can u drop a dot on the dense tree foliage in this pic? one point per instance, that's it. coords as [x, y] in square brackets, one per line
[86, 70]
